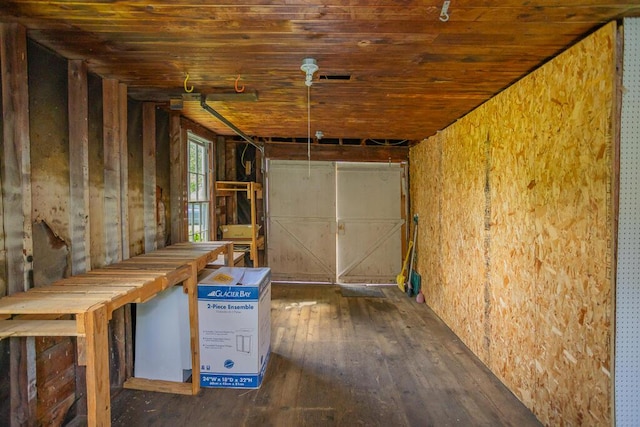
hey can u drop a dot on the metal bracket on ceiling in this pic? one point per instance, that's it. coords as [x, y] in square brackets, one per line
[444, 13]
[214, 113]
[176, 102]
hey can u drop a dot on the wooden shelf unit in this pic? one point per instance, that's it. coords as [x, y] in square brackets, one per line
[92, 297]
[253, 191]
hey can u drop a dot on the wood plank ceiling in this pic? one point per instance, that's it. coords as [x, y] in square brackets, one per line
[388, 69]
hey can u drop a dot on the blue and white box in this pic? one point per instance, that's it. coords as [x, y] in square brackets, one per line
[234, 312]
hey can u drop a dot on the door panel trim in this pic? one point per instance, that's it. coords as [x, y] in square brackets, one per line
[301, 245]
[315, 252]
[372, 248]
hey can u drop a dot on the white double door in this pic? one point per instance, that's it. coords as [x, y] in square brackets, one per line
[335, 221]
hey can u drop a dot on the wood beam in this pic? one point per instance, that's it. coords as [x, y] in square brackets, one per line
[124, 169]
[230, 172]
[149, 174]
[177, 163]
[16, 178]
[348, 153]
[79, 167]
[97, 343]
[79, 206]
[115, 212]
[212, 194]
[16, 216]
[112, 199]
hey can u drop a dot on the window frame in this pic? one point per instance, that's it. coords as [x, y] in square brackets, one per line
[199, 200]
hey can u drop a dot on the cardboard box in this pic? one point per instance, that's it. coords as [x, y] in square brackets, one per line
[237, 231]
[234, 312]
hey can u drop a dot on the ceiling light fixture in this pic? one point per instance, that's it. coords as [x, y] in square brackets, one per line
[309, 66]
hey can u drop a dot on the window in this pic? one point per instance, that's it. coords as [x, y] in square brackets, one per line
[198, 216]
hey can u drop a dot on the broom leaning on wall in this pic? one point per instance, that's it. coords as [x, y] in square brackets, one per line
[401, 278]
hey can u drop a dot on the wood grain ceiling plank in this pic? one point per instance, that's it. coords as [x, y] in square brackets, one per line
[140, 28]
[471, 11]
[403, 62]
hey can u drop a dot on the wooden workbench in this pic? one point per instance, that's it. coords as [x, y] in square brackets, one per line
[92, 297]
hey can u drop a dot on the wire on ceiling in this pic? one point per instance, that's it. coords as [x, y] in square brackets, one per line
[309, 66]
[309, 127]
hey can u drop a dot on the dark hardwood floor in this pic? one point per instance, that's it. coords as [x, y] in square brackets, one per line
[343, 357]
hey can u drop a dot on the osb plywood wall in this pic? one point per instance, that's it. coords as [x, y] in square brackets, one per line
[515, 236]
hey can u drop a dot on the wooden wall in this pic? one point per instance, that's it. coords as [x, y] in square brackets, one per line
[515, 244]
[4, 344]
[50, 177]
[96, 174]
[73, 172]
[49, 164]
